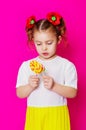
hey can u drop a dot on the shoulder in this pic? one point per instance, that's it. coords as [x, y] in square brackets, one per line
[69, 69]
[26, 63]
[67, 63]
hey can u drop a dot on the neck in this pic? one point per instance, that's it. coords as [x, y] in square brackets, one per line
[43, 58]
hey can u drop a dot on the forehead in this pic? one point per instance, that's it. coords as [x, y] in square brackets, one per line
[44, 35]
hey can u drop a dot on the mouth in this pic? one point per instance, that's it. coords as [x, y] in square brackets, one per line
[45, 54]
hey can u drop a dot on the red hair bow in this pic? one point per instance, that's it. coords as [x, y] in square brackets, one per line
[54, 18]
[30, 22]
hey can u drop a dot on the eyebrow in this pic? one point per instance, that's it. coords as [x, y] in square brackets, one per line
[45, 41]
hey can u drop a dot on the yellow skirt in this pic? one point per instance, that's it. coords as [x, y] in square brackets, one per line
[47, 118]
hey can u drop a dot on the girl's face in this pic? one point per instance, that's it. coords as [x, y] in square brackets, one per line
[45, 43]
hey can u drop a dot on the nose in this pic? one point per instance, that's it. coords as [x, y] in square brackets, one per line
[44, 47]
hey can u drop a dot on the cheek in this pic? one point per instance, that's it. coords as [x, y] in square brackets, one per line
[38, 48]
[35, 47]
[54, 47]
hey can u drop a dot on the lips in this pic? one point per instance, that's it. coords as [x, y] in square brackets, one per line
[45, 54]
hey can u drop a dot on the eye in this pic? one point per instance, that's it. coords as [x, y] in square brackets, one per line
[49, 43]
[38, 44]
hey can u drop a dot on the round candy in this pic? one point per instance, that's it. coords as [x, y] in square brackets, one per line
[36, 67]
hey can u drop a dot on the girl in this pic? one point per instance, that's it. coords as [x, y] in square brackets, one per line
[47, 93]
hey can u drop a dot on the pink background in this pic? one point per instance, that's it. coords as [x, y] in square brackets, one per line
[13, 51]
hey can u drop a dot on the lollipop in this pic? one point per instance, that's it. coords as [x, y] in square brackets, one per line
[36, 67]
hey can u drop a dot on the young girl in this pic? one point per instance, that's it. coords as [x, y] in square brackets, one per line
[47, 92]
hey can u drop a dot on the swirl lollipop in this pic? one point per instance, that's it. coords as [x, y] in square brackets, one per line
[36, 67]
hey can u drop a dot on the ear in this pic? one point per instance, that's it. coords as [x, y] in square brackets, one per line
[59, 39]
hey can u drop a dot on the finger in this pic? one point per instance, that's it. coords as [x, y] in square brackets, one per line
[45, 84]
[34, 76]
[35, 84]
[45, 77]
[35, 79]
[46, 80]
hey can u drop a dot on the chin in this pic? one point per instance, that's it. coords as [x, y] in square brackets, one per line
[46, 57]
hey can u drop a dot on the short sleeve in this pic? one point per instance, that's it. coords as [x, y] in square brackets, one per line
[71, 76]
[22, 78]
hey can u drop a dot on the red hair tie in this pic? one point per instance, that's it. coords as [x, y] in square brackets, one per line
[30, 22]
[54, 18]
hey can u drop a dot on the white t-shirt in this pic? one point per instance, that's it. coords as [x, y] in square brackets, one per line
[63, 72]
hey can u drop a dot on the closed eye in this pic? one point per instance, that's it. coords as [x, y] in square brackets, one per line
[38, 44]
[49, 43]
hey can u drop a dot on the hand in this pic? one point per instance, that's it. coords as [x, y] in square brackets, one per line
[34, 81]
[48, 82]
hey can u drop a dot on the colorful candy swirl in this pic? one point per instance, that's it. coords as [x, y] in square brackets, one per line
[36, 67]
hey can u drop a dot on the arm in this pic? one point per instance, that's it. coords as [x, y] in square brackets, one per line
[25, 91]
[66, 91]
